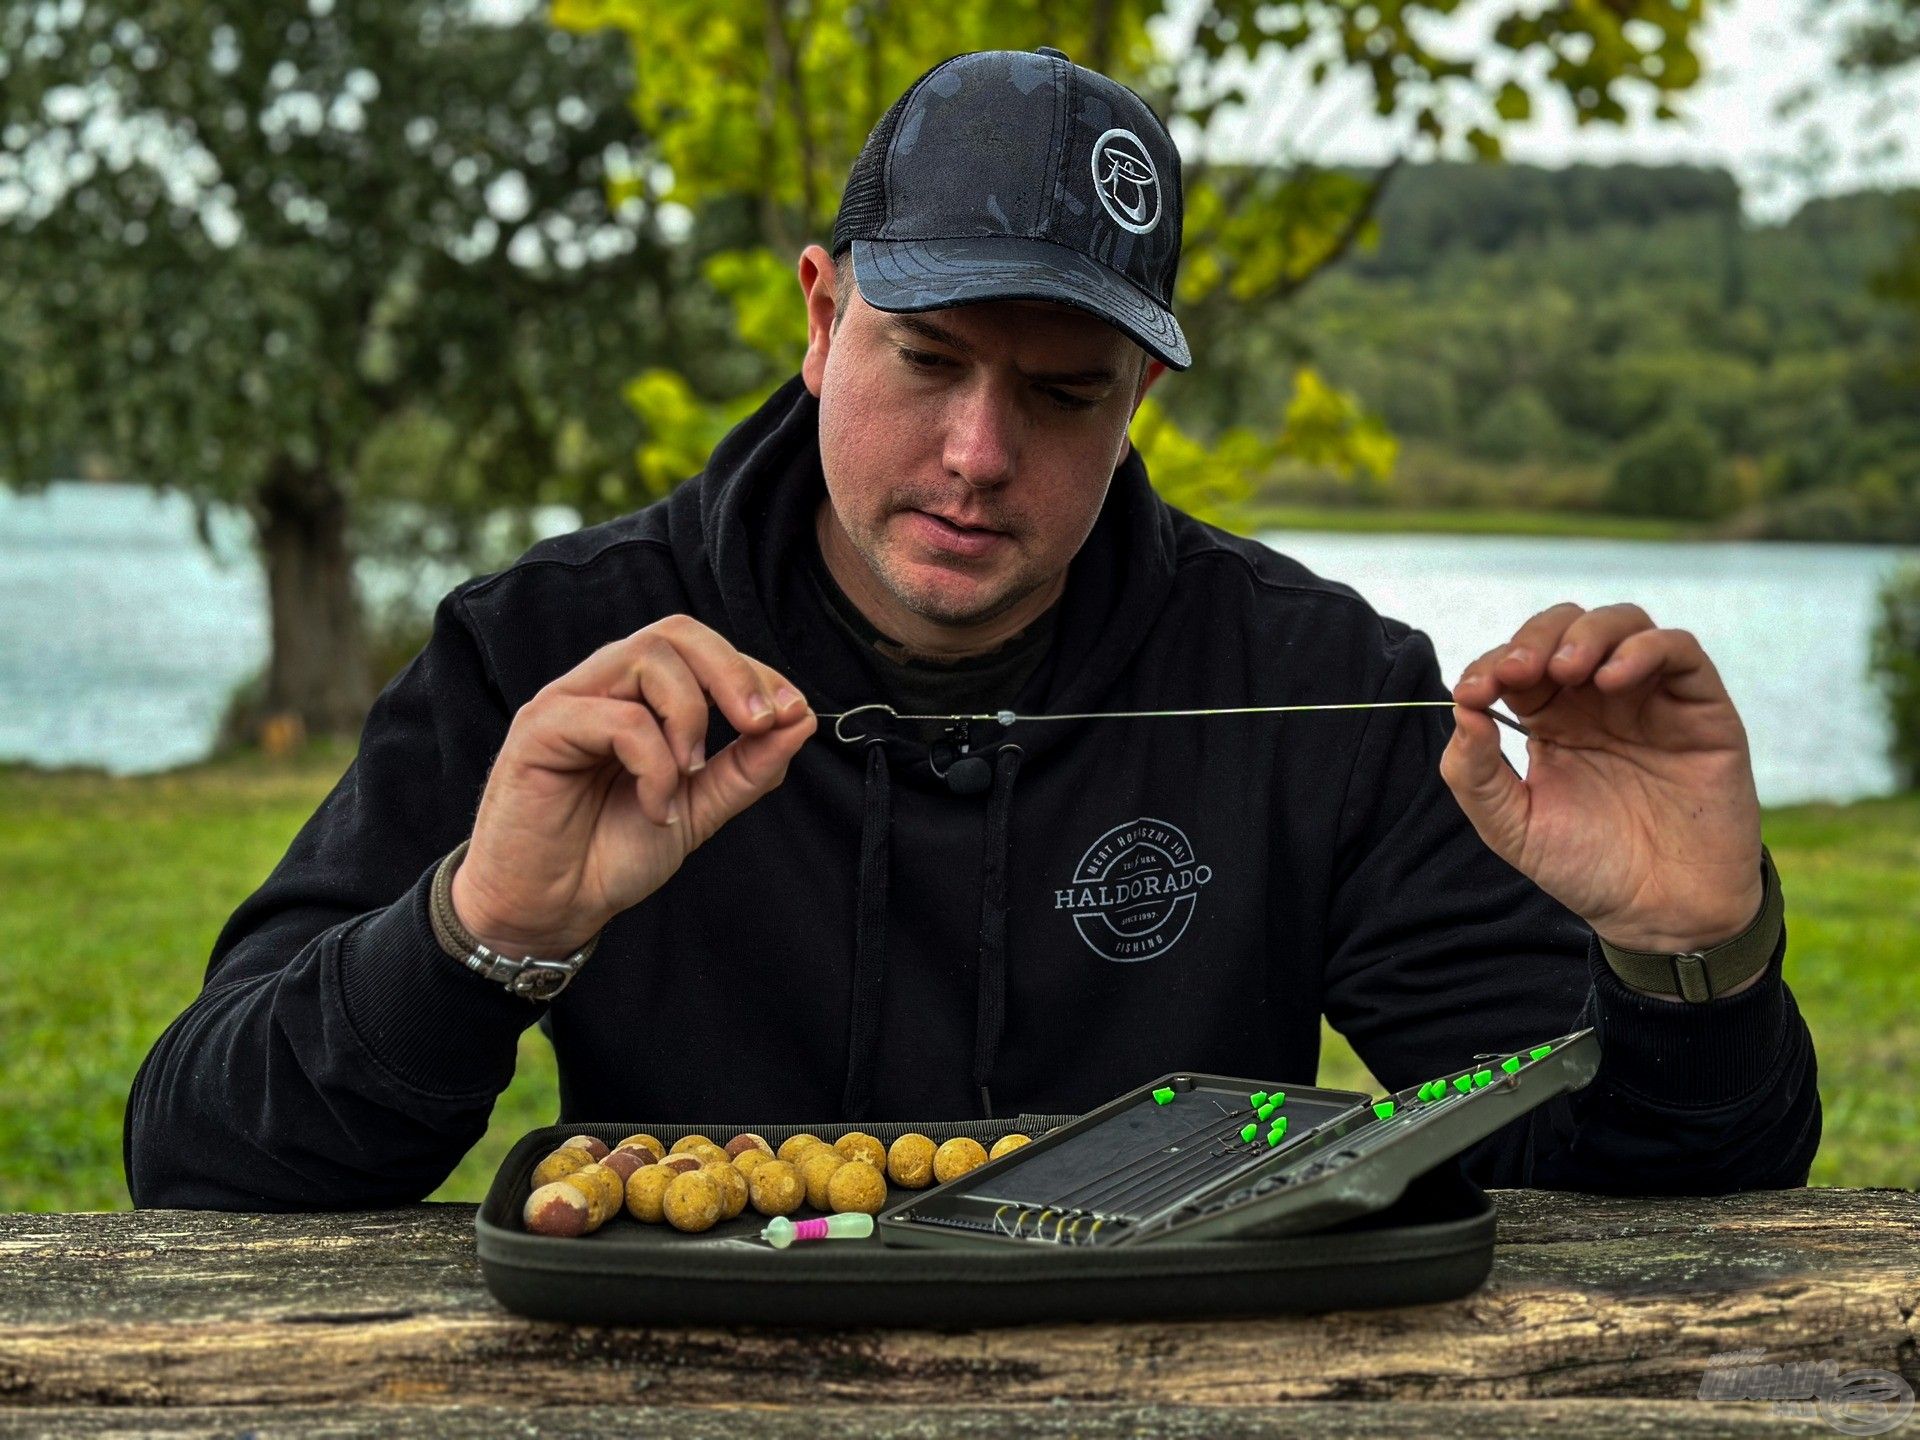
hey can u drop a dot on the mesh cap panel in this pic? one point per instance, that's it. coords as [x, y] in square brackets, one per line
[863, 204]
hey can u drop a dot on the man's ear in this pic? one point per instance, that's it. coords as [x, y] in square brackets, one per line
[817, 281]
[1154, 370]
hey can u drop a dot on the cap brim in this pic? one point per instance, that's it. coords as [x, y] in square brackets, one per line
[908, 275]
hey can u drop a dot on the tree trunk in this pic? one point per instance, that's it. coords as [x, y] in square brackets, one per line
[317, 670]
[1100, 36]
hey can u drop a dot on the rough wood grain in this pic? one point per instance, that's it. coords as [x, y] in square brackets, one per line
[1390, 1420]
[1590, 1296]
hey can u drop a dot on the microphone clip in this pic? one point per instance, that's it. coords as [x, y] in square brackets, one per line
[965, 773]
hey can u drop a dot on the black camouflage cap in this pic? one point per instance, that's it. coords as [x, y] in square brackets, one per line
[1004, 175]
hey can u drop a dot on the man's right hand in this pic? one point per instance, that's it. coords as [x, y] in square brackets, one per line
[601, 789]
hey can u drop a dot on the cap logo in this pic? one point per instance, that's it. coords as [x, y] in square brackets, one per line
[1125, 180]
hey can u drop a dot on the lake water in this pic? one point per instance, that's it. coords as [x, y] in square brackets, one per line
[1787, 627]
[121, 636]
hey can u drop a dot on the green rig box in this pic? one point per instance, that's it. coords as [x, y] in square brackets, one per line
[1194, 1195]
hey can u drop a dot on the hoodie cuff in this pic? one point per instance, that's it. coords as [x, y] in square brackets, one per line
[1691, 1055]
[434, 1024]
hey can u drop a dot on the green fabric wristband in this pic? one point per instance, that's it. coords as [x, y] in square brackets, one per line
[1698, 976]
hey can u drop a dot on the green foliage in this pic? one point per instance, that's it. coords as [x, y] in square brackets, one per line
[1841, 514]
[1900, 281]
[1895, 663]
[350, 267]
[1211, 482]
[768, 316]
[1493, 209]
[1323, 428]
[1671, 469]
[344, 219]
[1631, 389]
[1811, 453]
[1517, 426]
[363, 217]
[1414, 398]
[681, 428]
[772, 101]
[1263, 233]
[1799, 372]
[768, 103]
[1883, 36]
[1883, 43]
[1332, 430]
[426, 250]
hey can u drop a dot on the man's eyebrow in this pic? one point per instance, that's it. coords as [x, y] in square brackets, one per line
[939, 334]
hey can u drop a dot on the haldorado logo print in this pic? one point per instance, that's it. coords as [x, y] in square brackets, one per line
[1135, 890]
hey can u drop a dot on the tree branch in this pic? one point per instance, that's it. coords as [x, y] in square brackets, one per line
[1349, 233]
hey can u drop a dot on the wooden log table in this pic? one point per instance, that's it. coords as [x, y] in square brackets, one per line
[1600, 1317]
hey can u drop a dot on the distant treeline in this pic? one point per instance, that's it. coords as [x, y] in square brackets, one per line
[1615, 338]
[1492, 208]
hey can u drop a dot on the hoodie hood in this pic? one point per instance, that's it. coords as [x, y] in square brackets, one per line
[748, 548]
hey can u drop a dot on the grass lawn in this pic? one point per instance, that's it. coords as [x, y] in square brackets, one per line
[115, 890]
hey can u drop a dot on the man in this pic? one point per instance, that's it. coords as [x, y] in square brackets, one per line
[610, 758]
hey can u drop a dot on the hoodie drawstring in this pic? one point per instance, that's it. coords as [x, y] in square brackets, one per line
[870, 931]
[990, 1012]
[869, 936]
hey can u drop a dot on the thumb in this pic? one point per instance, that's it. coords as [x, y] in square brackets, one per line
[742, 772]
[1495, 799]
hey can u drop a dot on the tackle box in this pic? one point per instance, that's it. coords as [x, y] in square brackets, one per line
[1158, 1204]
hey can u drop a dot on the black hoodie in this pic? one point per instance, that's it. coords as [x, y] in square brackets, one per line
[1122, 899]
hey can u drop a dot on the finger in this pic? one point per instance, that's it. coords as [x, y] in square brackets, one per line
[734, 683]
[788, 703]
[643, 749]
[1495, 800]
[1478, 685]
[1593, 637]
[579, 732]
[752, 696]
[1524, 666]
[1484, 682]
[744, 771]
[1672, 657]
[670, 691]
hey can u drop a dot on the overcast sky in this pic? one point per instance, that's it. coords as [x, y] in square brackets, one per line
[1756, 52]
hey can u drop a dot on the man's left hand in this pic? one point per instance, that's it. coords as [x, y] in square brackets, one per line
[1638, 811]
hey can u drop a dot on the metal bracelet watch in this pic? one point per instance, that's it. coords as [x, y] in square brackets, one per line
[529, 976]
[1698, 976]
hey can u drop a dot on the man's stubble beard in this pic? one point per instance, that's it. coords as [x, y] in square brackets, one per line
[1017, 591]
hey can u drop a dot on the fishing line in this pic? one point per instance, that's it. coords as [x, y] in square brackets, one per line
[1008, 718]
[1136, 1195]
[1171, 1152]
[1237, 1155]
